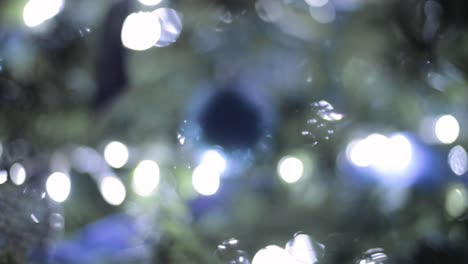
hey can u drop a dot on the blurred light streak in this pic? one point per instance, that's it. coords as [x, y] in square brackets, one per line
[17, 174]
[141, 31]
[290, 169]
[59, 162]
[458, 160]
[146, 177]
[206, 179]
[116, 154]
[88, 160]
[35, 12]
[112, 190]
[58, 186]
[433, 12]
[34, 218]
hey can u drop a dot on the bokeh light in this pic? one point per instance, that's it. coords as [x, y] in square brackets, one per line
[447, 129]
[272, 255]
[458, 160]
[3, 176]
[323, 14]
[171, 26]
[35, 12]
[141, 31]
[58, 186]
[388, 155]
[316, 3]
[358, 153]
[146, 177]
[112, 190]
[290, 169]
[116, 154]
[377, 145]
[17, 173]
[214, 159]
[395, 154]
[56, 221]
[150, 2]
[269, 11]
[456, 201]
[87, 160]
[367, 151]
[206, 179]
[59, 161]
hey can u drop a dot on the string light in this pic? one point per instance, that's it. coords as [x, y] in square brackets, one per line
[290, 169]
[145, 177]
[58, 186]
[116, 154]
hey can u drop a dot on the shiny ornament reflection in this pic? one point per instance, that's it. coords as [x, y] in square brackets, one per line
[373, 256]
[273, 255]
[304, 249]
[229, 253]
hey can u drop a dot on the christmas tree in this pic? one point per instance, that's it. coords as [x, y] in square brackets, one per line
[222, 131]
